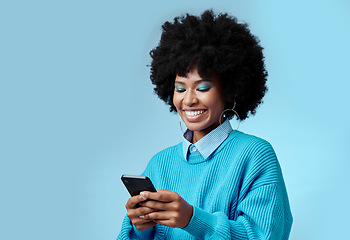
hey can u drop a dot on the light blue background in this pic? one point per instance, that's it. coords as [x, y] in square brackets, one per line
[77, 110]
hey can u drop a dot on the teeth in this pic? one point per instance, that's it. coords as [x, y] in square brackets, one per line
[193, 113]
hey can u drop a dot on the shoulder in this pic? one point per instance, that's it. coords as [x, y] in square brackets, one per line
[159, 165]
[169, 150]
[256, 158]
[259, 150]
[167, 153]
[249, 143]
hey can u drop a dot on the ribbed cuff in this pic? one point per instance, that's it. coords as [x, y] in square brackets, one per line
[214, 226]
[145, 234]
[199, 228]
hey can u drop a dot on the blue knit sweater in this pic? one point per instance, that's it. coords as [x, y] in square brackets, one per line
[238, 192]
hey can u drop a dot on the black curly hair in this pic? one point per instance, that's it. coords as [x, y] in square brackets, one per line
[211, 43]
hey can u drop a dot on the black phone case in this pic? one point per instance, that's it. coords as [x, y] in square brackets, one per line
[137, 184]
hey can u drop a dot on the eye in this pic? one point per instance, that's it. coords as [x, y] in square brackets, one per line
[204, 87]
[180, 88]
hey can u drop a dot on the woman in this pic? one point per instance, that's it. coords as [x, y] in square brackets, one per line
[219, 183]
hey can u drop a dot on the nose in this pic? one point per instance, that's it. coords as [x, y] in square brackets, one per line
[190, 98]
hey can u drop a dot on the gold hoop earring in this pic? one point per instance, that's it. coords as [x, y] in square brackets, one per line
[235, 113]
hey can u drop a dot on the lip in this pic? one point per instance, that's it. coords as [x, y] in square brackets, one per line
[196, 114]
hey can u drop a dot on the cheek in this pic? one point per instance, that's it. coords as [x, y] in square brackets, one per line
[215, 103]
[176, 101]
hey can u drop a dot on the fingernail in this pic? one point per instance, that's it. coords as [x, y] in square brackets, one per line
[142, 198]
[142, 217]
[144, 194]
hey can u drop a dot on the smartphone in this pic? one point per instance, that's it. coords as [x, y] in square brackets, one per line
[136, 184]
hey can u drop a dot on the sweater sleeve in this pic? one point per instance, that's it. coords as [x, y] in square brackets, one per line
[130, 232]
[263, 214]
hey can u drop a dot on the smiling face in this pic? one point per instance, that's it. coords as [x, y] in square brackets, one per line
[199, 102]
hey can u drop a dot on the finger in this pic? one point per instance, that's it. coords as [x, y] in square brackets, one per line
[161, 195]
[135, 218]
[143, 210]
[139, 221]
[164, 215]
[136, 212]
[145, 226]
[156, 206]
[168, 223]
[133, 201]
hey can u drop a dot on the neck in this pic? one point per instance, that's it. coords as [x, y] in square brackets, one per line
[197, 135]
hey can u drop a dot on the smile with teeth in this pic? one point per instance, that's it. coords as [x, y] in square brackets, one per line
[193, 113]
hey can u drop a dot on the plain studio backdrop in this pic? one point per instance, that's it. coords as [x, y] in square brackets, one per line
[77, 110]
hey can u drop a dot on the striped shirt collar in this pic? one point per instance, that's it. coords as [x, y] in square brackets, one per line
[207, 144]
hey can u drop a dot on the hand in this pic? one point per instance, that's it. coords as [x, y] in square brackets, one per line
[134, 212]
[169, 208]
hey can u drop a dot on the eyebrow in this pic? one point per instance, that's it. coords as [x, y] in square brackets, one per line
[197, 82]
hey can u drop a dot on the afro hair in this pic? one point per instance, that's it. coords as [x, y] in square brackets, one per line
[211, 43]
